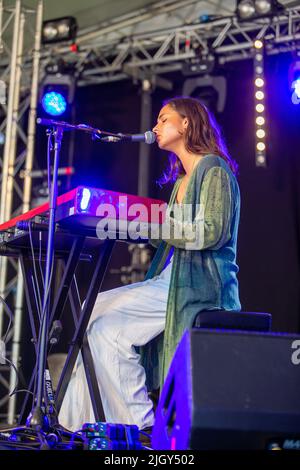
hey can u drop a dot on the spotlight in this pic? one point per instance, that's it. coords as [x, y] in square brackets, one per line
[294, 81]
[259, 82]
[59, 29]
[260, 121]
[258, 44]
[263, 7]
[260, 133]
[259, 95]
[54, 103]
[261, 147]
[57, 94]
[245, 9]
[248, 9]
[261, 161]
[199, 66]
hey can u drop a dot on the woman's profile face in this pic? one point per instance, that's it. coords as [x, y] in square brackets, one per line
[170, 129]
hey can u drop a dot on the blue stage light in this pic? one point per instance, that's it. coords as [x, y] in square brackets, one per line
[54, 103]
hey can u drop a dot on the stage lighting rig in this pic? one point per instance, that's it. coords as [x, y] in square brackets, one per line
[58, 88]
[260, 105]
[59, 29]
[203, 65]
[210, 90]
[253, 9]
[57, 94]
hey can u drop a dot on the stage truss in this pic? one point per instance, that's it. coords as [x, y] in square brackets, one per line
[110, 54]
[105, 53]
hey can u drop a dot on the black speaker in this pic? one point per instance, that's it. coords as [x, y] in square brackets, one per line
[231, 390]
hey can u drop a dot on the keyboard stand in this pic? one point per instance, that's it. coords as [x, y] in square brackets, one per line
[71, 248]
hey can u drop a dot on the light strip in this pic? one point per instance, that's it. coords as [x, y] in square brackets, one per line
[259, 98]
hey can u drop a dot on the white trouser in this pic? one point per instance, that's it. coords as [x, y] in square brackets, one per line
[122, 318]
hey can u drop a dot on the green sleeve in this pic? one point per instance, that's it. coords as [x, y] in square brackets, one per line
[211, 226]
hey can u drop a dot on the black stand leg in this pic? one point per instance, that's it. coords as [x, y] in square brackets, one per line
[86, 356]
[92, 381]
[30, 294]
[59, 302]
[102, 260]
[75, 301]
[66, 281]
[69, 287]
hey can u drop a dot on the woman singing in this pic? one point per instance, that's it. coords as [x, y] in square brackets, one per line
[191, 272]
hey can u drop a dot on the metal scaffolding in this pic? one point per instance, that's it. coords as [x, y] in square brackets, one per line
[17, 155]
[114, 53]
[109, 52]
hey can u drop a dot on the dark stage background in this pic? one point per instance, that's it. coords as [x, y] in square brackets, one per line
[269, 236]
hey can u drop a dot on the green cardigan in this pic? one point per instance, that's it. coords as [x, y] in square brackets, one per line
[204, 269]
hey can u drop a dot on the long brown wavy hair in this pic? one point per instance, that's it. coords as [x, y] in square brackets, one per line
[203, 136]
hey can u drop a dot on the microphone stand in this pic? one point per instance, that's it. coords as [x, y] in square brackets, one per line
[96, 133]
[38, 418]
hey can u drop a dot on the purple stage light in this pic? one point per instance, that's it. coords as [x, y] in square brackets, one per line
[294, 81]
[296, 87]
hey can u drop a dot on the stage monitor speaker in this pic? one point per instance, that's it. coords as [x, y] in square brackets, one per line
[231, 390]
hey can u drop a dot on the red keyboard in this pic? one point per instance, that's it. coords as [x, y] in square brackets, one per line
[83, 207]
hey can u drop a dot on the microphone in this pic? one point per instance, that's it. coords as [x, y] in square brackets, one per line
[148, 137]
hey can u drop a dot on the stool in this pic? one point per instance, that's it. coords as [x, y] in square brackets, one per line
[232, 320]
